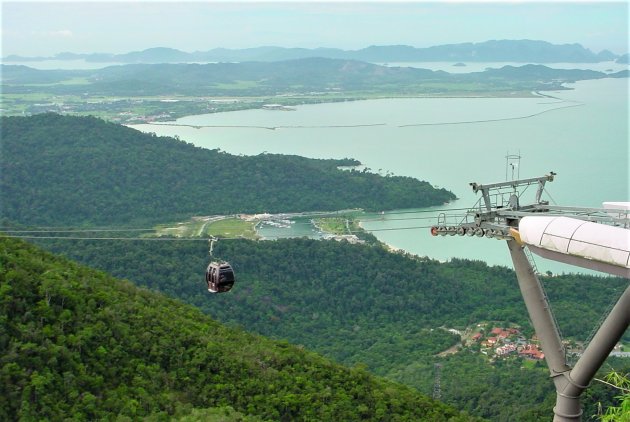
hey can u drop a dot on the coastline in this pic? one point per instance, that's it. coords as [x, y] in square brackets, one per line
[391, 248]
[256, 104]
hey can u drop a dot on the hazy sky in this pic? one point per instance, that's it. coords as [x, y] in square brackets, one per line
[47, 28]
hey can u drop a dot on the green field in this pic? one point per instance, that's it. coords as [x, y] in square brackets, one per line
[207, 226]
[337, 225]
[232, 227]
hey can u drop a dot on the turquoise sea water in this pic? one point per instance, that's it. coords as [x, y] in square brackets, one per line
[581, 134]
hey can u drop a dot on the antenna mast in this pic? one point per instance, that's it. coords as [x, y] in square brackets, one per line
[512, 166]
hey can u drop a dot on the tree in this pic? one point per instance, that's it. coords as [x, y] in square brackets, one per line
[619, 413]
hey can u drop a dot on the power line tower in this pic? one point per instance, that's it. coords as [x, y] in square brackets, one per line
[437, 390]
[594, 238]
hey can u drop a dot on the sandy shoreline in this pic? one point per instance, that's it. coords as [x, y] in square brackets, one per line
[390, 248]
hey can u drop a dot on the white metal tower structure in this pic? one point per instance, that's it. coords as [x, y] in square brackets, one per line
[594, 238]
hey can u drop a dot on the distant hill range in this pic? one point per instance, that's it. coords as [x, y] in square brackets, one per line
[520, 51]
[625, 58]
[289, 76]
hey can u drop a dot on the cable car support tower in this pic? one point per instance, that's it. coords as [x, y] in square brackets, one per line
[593, 238]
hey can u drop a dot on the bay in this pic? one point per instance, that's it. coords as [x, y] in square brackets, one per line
[581, 134]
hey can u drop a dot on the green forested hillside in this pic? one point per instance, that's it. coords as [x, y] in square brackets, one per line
[289, 279]
[77, 344]
[81, 170]
[362, 304]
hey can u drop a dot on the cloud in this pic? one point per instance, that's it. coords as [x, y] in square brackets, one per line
[64, 33]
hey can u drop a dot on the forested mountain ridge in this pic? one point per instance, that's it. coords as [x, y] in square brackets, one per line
[78, 344]
[304, 76]
[533, 51]
[67, 170]
[361, 304]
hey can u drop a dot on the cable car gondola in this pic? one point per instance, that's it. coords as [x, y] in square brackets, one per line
[219, 274]
[219, 277]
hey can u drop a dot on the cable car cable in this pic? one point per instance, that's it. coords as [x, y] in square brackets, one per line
[194, 239]
[119, 229]
[113, 238]
[410, 218]
[71, 230]
[75, 230]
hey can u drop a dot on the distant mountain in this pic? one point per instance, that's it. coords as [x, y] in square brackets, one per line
[520, 51]
[535, 72]
[153, 55]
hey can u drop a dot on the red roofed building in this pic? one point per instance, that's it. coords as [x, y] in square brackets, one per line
[531, 351]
